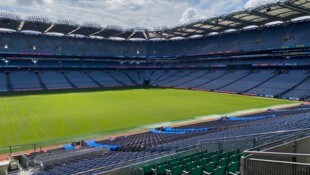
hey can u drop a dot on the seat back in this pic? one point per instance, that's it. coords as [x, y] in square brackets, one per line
[197, 158]
[223, 162]
[235, 158]
[148, 169]
[225, 155]
[215, 158]
[190, 166]
[172, 161]
[210, 167]
[196, 171]
[161, 169]
[219, 171]
[178, 170]
[208, 155]
[186, 161]
[203, 162]
[233, 167]
[160, 164]
[174, 164]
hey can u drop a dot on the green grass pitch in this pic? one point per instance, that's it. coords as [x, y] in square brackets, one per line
[37, 118]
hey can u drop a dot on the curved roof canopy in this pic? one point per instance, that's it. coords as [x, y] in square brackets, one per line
[257, 16]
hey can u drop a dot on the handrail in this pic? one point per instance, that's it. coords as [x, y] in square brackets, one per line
[70, 153]
[264, 153]
[251, 135]
[277, 154]
[277, 161]
[307, 131]
[200, 141]
[152, 157]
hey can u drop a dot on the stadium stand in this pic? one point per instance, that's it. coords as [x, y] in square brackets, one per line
[224, 80]
[253, 80]
[80, 79]
[284, 81]
[3, 82]
[147, 146]
[276, 157]
[301, 90]
[24, 80]
[104, 79]
[122, 78]
[54, 80]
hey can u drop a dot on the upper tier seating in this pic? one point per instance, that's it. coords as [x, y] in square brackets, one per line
[288, 35]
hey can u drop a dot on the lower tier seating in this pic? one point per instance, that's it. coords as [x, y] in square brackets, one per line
[216, 163]
[24, 80]
[290, 83]
[160, 145]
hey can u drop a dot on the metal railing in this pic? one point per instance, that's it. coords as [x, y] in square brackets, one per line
[225, 144]
[244, 142]
[287, 156]
[133, 165]
[273, 167]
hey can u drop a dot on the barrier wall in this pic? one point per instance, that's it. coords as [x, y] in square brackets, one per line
[288, 156]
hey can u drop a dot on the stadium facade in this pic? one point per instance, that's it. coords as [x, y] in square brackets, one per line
[244, 52]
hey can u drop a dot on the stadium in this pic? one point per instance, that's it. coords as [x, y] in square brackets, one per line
[225, 95]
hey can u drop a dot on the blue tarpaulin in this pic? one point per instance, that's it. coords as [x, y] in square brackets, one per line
[93, 143]
[68, 147]
[169, 130]
[249, 118]
[165, 132]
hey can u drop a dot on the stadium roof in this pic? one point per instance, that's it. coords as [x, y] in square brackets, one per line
[279, 11]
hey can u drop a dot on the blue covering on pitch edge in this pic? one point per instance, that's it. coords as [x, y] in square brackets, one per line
[68, 147]
[93, 143]
[165, 132]
[249, 118]
[169, 130]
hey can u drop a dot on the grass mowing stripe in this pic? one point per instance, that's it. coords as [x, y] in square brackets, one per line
[35, 118]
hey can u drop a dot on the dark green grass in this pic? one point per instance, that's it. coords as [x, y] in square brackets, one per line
[70, 116]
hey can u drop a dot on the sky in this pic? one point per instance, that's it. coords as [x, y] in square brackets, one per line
[126, 13]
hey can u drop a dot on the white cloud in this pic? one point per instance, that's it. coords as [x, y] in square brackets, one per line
[253, 3]
[114, 4]
[127, 13]
[191, 14]
[33, 2]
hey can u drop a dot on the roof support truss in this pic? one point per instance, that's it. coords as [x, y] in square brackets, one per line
[295, 8]
[49, 28]
[73, 30]
[279, 11]
[96, 32]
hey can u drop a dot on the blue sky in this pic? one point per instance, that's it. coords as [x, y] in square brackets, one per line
[126, 13]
